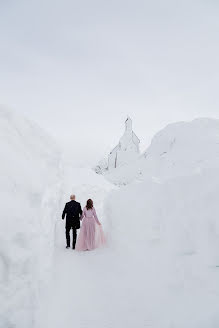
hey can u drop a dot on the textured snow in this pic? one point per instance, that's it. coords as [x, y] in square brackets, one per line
[29, 192]
[178, 150]
[124, 153]
[160, 266]
[167, 237]
[76, 293]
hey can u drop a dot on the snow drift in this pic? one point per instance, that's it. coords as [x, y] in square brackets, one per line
[178, 150]
[170, 217]
[29, 192]
[170, 249]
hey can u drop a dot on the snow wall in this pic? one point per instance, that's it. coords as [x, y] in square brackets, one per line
[180, 149]
[29, 191]
[166, 226]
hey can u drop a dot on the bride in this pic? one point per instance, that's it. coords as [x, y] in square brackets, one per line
[91, 233]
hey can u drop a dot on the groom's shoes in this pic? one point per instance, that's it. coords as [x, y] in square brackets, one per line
[67, 247]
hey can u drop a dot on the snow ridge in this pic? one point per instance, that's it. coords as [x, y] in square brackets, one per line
[179, 149]
[29, 190]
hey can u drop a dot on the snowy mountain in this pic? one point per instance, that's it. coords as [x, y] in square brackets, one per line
[180, 149]
[29, 192]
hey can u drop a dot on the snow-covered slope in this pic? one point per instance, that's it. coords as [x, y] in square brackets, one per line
[29, 192]
[178, 150]
[160, 267]
[170, 219]
[167, 235]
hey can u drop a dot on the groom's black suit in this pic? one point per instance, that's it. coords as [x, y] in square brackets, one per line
[73, 212]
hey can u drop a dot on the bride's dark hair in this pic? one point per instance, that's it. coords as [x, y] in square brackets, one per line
[90, 204]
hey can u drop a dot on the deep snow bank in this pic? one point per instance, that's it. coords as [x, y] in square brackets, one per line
[29, 192]
[178, 150]
[168, 235]
[166, 227]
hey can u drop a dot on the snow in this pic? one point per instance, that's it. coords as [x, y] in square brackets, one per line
[29, 192]
[124, 153]
[160, 266]
[171, 245]
[78, 281]
[178, 150]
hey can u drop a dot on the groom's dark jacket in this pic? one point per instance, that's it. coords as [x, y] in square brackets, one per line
[73, 212]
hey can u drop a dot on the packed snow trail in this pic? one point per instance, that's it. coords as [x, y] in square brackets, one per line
[90, 289]
[150, 274]
[87, 291]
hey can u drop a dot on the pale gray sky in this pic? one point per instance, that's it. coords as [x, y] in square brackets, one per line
[79, 67]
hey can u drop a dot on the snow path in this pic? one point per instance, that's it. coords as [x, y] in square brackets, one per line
[131, 283]
[83, 295]
[89, 289]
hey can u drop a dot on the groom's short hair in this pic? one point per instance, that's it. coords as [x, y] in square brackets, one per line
[72, 197]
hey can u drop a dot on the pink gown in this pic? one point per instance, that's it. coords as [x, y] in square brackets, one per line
[91, 234]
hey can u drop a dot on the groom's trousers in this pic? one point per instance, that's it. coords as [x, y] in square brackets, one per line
[74, 235]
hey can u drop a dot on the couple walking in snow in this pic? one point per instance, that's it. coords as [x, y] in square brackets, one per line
[91, 234]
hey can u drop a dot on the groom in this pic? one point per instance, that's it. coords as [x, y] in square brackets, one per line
[73, 212]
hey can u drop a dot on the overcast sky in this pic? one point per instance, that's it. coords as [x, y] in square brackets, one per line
[79, 67]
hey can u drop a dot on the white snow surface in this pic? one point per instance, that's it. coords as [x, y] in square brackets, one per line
[180, 149]
[161, 264]
[75, 295]
[29, 191]
[160, 267]
[170, 249]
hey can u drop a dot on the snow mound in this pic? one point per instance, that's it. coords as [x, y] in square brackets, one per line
[178, 150]
[29, 192]
[171, 248]
[170, 217]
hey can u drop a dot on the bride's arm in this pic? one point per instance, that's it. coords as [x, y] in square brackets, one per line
[95, 216]
[82, 215]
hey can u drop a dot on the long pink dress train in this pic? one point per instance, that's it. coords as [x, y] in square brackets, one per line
[91, 234]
